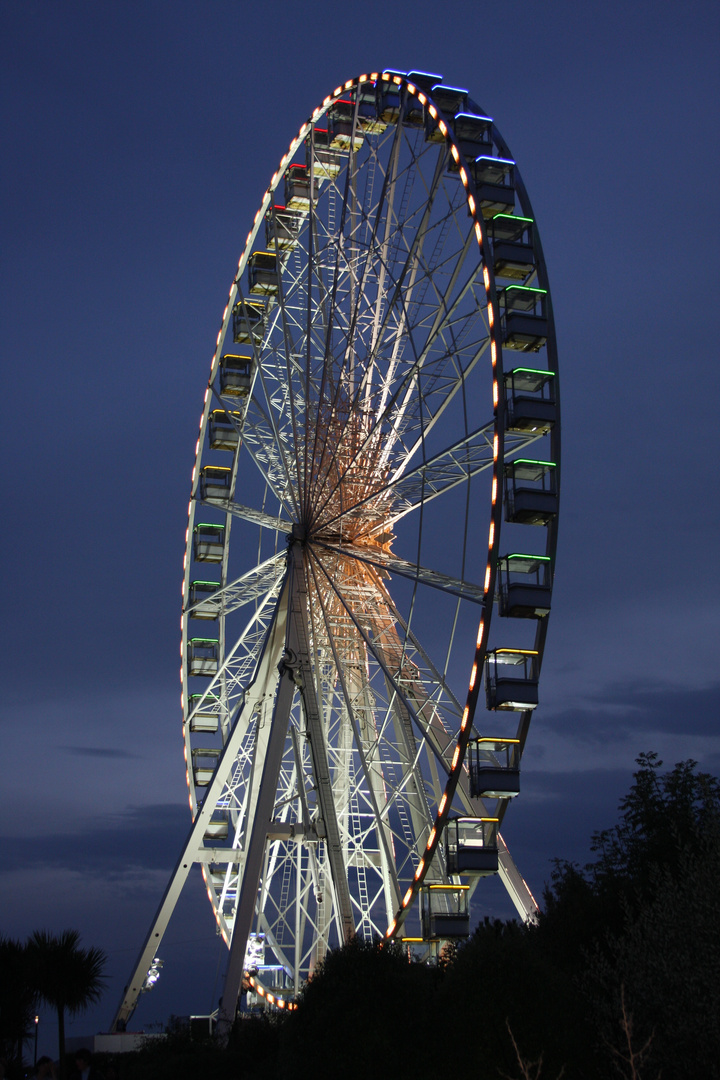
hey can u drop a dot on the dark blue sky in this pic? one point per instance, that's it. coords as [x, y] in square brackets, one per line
[138, 140]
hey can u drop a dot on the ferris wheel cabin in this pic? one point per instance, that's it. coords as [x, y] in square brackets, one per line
[512, 246]
[325, 161]
[224, 429]
[204, 762]
[297, 188]
[444, 911]
[493, 767]
[263, 273]
[471, 846]
[201, 605]
[248, 323]
[340, 117]
[236, 375]
[523, 317]
[215, 482]
[494, 182]
[524, 586]
[530, 398]
[511, 679]
[203, 656]
[282, 227]
[209, 543]
[530, 491]
[203, 713]
[472, 133]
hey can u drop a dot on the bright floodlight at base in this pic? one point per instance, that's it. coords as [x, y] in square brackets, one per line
[368, 434]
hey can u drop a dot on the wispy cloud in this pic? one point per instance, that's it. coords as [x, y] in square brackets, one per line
[97, 752]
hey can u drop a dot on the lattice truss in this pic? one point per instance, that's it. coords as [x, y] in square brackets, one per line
[373, 338]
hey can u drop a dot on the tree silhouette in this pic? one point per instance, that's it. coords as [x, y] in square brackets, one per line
[66, 977]
[17, 1000]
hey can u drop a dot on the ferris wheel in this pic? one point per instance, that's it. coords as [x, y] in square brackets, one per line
[382, 399]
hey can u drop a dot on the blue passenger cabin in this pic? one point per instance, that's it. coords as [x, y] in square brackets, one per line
[248, 323]
[413, 112]
[236, 375]
[524, 586]
[493, 768]
[530, 398]
[215, 482]
[444, 912]
[424, 80]
[262, 270]
[223, 429]
[200, 602]
[281, 228]
[450, 100]
[511, 679]
[208, 543]
[512, 246]
[203, 712]
[530, 491]
[202, 656]
[494, 184]
[471, 846]
[523, 316]
[473, 136]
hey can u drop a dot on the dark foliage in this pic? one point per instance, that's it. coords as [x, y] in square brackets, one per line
[65, 976]
[365, 1005]
[618, 978]
[637, 929]
[17, 1002]
[505, 980]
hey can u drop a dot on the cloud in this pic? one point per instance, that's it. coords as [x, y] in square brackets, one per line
[648, 707]
[147, 837]
[96, 752]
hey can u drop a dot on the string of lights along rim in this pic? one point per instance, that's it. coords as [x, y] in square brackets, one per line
[371, 541]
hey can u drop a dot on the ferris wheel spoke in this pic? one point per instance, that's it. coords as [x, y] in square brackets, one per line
[393, 420]
[261, 441]
[326, 718]
[240, 663]
[412, 490]
[355, 689]
[249, 513]
[381, 747]
[269, 436]
[382, 256]
[263, 580]
[289, 352]
[447, 308]
[389, 660]
[381, 560]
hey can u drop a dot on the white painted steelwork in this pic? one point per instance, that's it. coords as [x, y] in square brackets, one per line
[355, 535]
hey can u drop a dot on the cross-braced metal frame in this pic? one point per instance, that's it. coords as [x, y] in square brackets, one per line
[342, 492]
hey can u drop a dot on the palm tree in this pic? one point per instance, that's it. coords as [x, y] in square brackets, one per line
[66, 977]
[17, 1000]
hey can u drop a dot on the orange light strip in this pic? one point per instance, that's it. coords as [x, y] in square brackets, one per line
[461, 746]
[463, 736]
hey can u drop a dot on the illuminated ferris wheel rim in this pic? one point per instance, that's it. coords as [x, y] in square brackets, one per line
[407, 85]
[266, 578]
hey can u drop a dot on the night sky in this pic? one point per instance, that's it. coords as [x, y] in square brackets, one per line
[138, 141]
